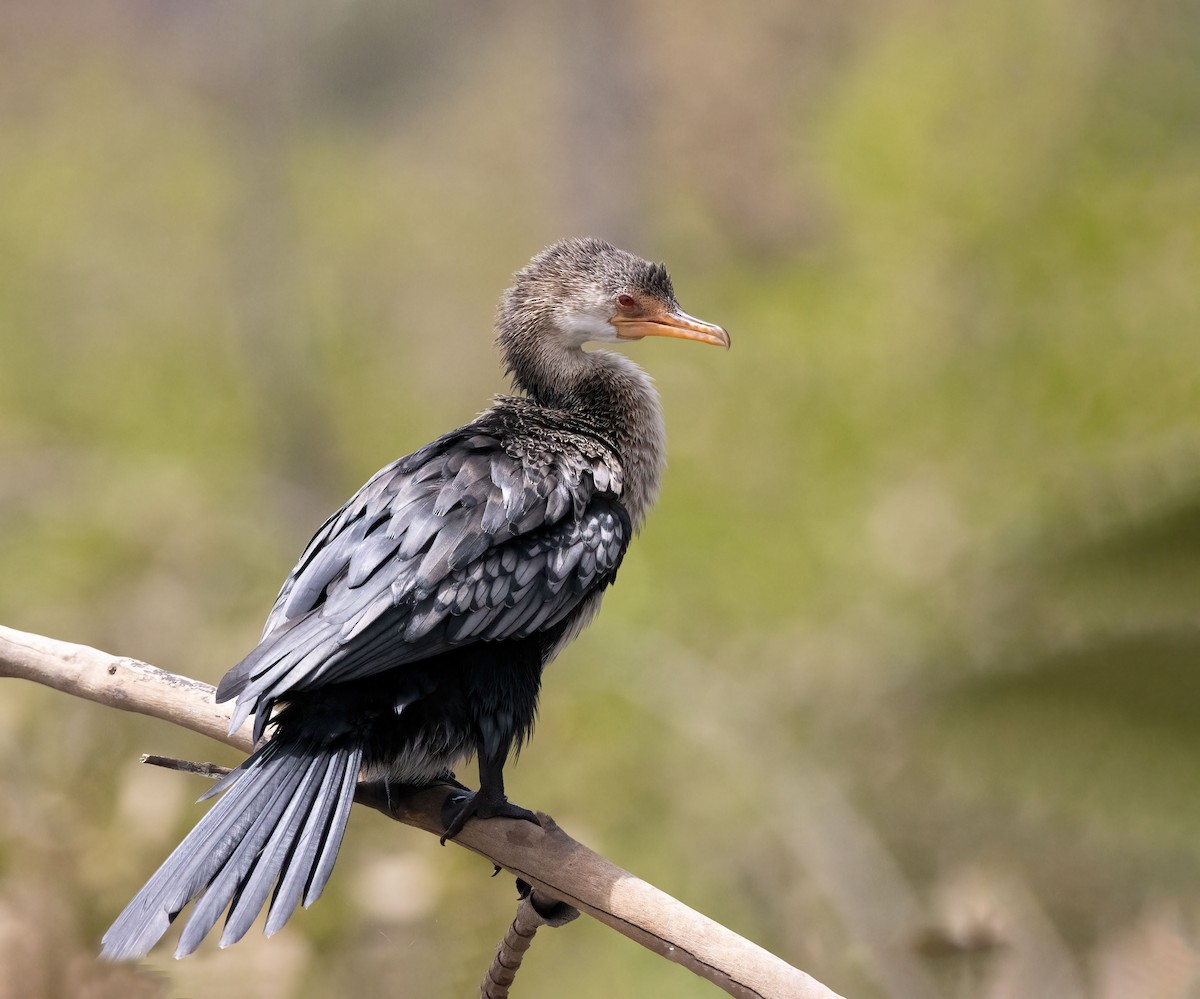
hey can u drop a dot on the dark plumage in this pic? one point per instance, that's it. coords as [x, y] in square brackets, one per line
[414, 630]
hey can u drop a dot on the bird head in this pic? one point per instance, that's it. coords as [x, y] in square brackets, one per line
[588, 291]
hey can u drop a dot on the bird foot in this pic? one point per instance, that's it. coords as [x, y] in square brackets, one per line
[461, 807]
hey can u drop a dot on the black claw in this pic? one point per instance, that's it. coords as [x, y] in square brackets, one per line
[455, 813]
[461, 807]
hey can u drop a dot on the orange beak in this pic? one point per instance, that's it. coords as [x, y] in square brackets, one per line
[669, 322]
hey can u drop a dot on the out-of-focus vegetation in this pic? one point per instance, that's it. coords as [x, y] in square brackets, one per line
[902, 679]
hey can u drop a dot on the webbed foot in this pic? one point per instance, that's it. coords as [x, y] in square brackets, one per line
[461, 807]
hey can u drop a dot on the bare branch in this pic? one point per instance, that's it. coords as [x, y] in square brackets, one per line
[119, 682]
[186, 766]
[531, 915]
[555, 865]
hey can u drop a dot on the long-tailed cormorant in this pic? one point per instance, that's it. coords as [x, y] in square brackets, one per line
[415, 628]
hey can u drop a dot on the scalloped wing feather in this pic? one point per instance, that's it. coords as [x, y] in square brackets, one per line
[458, 542]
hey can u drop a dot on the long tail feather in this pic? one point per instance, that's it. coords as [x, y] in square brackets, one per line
[280, 819]
[321, 836]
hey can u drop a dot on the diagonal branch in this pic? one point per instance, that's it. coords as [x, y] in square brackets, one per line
[532, 913]
[555, 865]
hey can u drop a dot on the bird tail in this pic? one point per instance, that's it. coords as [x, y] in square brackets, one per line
[279, 823]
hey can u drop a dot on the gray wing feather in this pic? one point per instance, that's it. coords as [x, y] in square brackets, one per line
[458, 542]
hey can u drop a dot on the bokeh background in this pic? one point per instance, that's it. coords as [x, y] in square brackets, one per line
[902, 678]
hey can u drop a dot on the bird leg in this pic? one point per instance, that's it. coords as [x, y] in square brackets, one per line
[488, 802]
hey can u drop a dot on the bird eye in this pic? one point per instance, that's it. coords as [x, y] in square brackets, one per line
[626, 303]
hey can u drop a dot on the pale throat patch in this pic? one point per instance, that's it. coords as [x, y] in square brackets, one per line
[585, 328]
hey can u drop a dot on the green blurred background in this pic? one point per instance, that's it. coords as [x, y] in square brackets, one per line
[901, 680]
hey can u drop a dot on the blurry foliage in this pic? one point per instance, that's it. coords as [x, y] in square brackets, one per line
[900, 680]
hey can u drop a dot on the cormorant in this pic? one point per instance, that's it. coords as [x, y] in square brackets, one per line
[415, 628]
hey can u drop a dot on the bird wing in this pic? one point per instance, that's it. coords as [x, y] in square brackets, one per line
[460, 542]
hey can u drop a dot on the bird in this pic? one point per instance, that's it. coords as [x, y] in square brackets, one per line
[414, 630]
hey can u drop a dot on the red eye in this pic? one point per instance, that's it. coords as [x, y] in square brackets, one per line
[626, 303]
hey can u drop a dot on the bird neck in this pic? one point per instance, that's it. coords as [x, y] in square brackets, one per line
[614, 395]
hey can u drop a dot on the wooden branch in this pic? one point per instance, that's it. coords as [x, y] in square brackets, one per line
[531, 915]
[557, 867]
